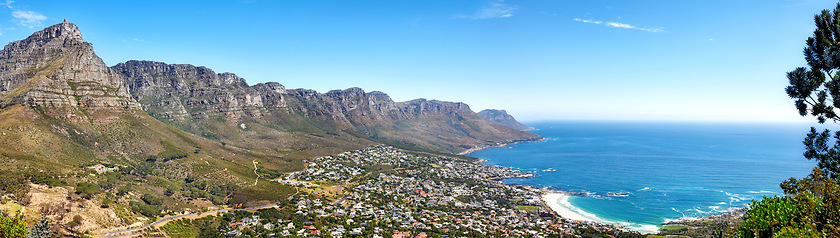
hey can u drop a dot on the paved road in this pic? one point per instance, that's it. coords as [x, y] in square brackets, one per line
[129, 232]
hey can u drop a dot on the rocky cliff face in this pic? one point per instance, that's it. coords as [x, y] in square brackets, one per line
[179, 93]
[57, 70]
[184, 92]
[502, 117]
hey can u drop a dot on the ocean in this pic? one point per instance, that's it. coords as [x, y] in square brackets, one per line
[668, 170]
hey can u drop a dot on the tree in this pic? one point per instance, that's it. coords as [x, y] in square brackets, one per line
[816, 90]
[87, 190]
[40, 229]
[77, 221]
[811, 206]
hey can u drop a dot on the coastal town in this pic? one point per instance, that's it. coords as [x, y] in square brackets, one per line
[381, 191]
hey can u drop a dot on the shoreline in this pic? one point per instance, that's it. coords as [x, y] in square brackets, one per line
[477, 148]
[559, 203]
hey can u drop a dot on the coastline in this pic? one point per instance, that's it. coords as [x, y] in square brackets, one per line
[559, 203]
[477, 148]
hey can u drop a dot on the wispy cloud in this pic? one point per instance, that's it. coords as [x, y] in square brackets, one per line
[29, 19]
[496, 9]
[620, 25]
[589, 21]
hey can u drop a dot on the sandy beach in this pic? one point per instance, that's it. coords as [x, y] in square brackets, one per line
[559, 203]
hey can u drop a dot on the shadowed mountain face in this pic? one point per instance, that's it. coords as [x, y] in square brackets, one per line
[203, 102]
[502, 117]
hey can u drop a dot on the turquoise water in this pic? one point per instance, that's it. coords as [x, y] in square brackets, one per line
[669, 170]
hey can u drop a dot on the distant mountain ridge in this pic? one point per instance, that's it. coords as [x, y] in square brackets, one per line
[502, 117]
[191, 96]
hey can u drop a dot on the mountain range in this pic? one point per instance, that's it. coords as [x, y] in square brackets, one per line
[62, 110]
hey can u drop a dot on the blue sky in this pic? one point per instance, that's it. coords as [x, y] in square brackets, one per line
[540, 59]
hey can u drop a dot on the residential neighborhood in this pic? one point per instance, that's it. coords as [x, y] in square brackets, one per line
[381, 191]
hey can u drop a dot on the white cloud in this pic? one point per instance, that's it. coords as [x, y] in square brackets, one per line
[497, 9]
[620, 25]
[588, 21]
[28, 18]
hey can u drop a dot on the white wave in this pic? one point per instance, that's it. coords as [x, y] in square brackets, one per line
[735, 198]
[762, 191]
[644, 189]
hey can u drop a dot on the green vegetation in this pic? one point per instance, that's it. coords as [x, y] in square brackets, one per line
[170, 152]
[12, 226]
[87, 190]
[202, 227]
[145, 209]
[180, 228]
[213, 193]
[675, 228]
[811, 207]
[77, 221]
[816, 90]
[14, 183]
[528, 208]
[40, 229]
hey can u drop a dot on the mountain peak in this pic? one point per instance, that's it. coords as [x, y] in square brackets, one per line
[55, 67]
[64, 29]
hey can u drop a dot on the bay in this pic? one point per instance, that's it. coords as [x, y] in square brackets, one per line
[669, 170]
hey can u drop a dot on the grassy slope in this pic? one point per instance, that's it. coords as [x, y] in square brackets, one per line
[33, 140]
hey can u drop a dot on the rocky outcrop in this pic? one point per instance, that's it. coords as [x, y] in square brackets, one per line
[502, 117]
[57, 70]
